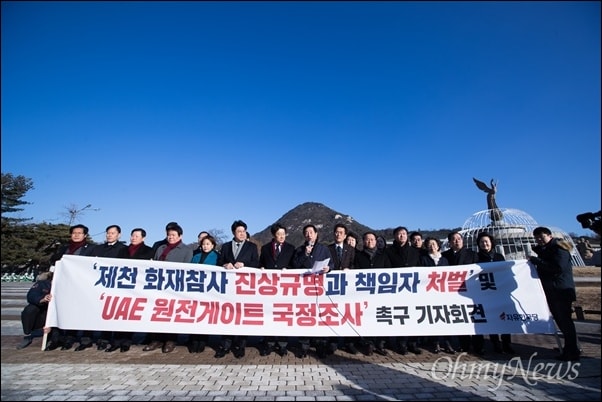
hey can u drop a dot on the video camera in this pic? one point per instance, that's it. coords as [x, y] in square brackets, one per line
[590, 220]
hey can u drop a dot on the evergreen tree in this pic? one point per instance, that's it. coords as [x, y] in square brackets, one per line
[14, 189]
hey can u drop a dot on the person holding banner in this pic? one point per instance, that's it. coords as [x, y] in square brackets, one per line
[351, 239]
[208, 256]
[235, 254]
[402, 254]
[460, 255]
[199, 248]
[176, 251]
[434, 258]
[343, 256]
[277, 254]
[372, 257]
[163, 241]
[418, 243]
[136, 250]
[109, 249]
[487, 253]
[78, 245]
[555, 271]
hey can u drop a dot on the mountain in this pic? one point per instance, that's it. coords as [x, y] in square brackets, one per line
[314, 213]
[324, 218]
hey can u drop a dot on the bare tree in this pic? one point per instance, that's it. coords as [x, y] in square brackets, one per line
[73, 212]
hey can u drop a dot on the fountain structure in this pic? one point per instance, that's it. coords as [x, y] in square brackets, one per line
[511, 228]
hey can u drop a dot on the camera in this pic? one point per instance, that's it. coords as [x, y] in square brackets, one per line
[591, 220]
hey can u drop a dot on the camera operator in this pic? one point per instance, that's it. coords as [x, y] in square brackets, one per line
[590, 220]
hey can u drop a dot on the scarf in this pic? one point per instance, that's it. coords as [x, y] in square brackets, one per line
[169, 247]
[133, 248]
[74, 245]
[435, 257]
[204, 256]
[371, 252]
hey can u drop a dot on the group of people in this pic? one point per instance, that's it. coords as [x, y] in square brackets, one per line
[553, 265]
[585, 249]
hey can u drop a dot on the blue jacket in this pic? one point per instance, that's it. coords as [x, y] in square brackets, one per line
[209, 258]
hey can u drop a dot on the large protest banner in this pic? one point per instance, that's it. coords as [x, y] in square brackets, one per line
[157, 296]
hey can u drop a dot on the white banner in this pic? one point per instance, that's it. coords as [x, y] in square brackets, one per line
[95, 293]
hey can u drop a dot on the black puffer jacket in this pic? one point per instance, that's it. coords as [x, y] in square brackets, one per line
[554, 265]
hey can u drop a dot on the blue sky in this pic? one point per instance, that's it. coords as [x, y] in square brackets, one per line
[208, 112]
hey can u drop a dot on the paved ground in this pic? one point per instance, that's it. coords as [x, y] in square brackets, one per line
[89, 375]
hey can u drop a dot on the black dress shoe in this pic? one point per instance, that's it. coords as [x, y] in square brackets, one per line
[402, 350]
[81, 347]
[193, 347]
[102, 345]
[448, 348]
[301, 353]
[282, 352]
[51, 346]
[112, 348]
[221, 352]
[381, 351]
[414, 349]
[321, 351]
[265, 351]
[124, 348]
[67, 346]
[200, 348]
[238, 352]
[497, 347]
[168, 347]
[25, 342]
[152, 346]
[351, 349]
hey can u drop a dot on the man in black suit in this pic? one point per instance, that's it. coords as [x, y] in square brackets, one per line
[460, 255]
[343, 255]
[277, 254]
[137, 250]
[555, 272]
[163, 241]
[403, 255]
[236, 254]
[109, 249]
[306, 255]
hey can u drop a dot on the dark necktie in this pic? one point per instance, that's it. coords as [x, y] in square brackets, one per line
[277, 250]
[340, 252]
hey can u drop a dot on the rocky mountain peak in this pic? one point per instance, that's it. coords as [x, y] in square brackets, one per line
[321, 216]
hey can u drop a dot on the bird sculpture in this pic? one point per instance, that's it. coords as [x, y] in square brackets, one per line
[494, 212]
